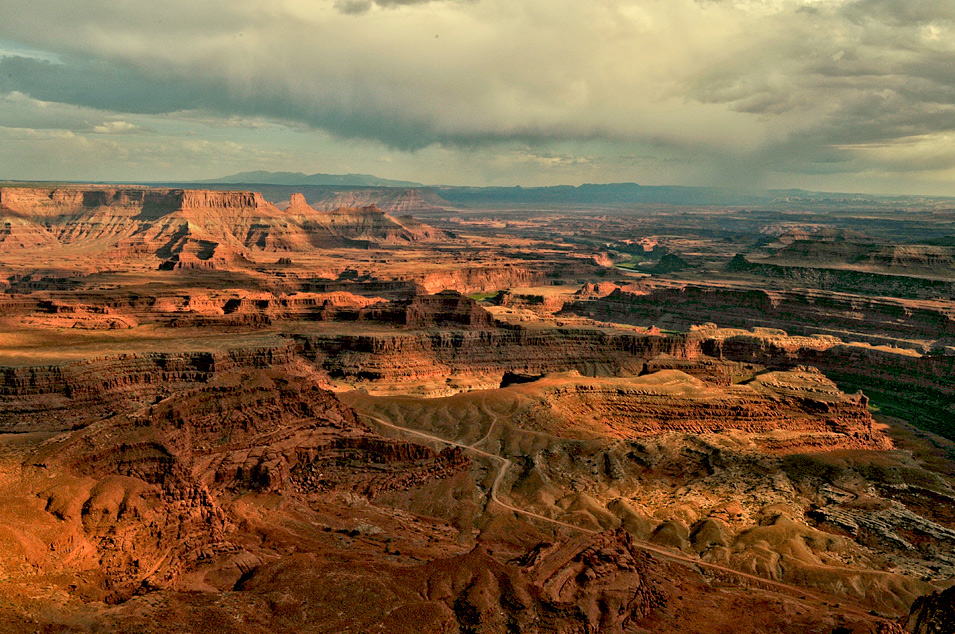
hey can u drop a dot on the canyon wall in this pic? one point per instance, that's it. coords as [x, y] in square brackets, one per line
[796, 311]
[783, 411]
[851, 281]
[416, 356]
[918, 388]
[188, 226]
[59, 397]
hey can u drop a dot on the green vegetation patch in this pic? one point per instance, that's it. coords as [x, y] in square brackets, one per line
[483, 297]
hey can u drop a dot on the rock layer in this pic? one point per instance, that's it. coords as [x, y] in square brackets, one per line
[188, 228]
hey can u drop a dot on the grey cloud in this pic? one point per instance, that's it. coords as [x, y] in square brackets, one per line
[901, 12]
[95, 84]
[114, 88]
[344, 110]
[852, 100]
[353, 7]
[356, 7]
[769, 85]
[17, 111]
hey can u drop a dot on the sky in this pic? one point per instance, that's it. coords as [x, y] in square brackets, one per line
[832, 95]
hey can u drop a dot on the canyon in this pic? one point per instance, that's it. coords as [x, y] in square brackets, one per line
[296, 414]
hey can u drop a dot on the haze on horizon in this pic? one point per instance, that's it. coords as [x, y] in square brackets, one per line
[839, 95]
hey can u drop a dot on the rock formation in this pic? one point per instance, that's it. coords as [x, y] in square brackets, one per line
[856, 281]
[187, 228]
[142, 495]
[798, 311]
[595, 583]
[393, 201]
[933, 614]
[805, 405]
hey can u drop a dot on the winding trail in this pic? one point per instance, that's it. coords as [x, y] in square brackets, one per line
[505, 464]
[490, 428]
[502, 471]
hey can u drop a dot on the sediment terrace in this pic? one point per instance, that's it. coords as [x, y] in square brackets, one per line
[442, 360]
[436, 344]
[59, 397]
[804, 311]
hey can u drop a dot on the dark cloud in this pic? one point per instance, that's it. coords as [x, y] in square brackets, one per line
[353, 7]
[356, 7]
[97, 84]
[901, 12]
[113, 88]
[728, 87]
[349, 111]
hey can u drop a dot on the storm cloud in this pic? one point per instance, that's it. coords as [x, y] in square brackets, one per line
[771, 91]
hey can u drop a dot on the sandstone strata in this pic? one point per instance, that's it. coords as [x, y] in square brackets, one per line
[188, 228]
[145, 495]
[803, 403]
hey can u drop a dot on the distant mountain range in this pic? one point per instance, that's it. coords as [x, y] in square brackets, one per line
[609, 193]
[589, 194]
[632, 193]
[292, 179]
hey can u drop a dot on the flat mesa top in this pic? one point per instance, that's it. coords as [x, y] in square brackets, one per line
[38, 347]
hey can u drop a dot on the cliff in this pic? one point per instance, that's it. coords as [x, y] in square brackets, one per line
[95, 310]
[187, 228]
[439, 354]
[784, 412]
[907, 384]
[60, 397]
[373, 225]
[853, 250]
[797, 311]
[863, 282]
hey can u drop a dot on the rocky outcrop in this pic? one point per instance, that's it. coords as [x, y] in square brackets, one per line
[906, 383]
[17, 233]
[354, 225]
[188, 228]
[59, 314]
[807, 410]
[59, 397]
[396, 202]
[374, 225]
[208, 199]
[708, 369]
[670, 263]
[417, 356]
[933, 614]
[853, 250]
[272, 431]
[95, 310]
[447, 308]
[595, 583]
[142, 493]
[797, 311]
[593, 290]
[850, 281]
[539, 304]
[478, 279]
[49, 203]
